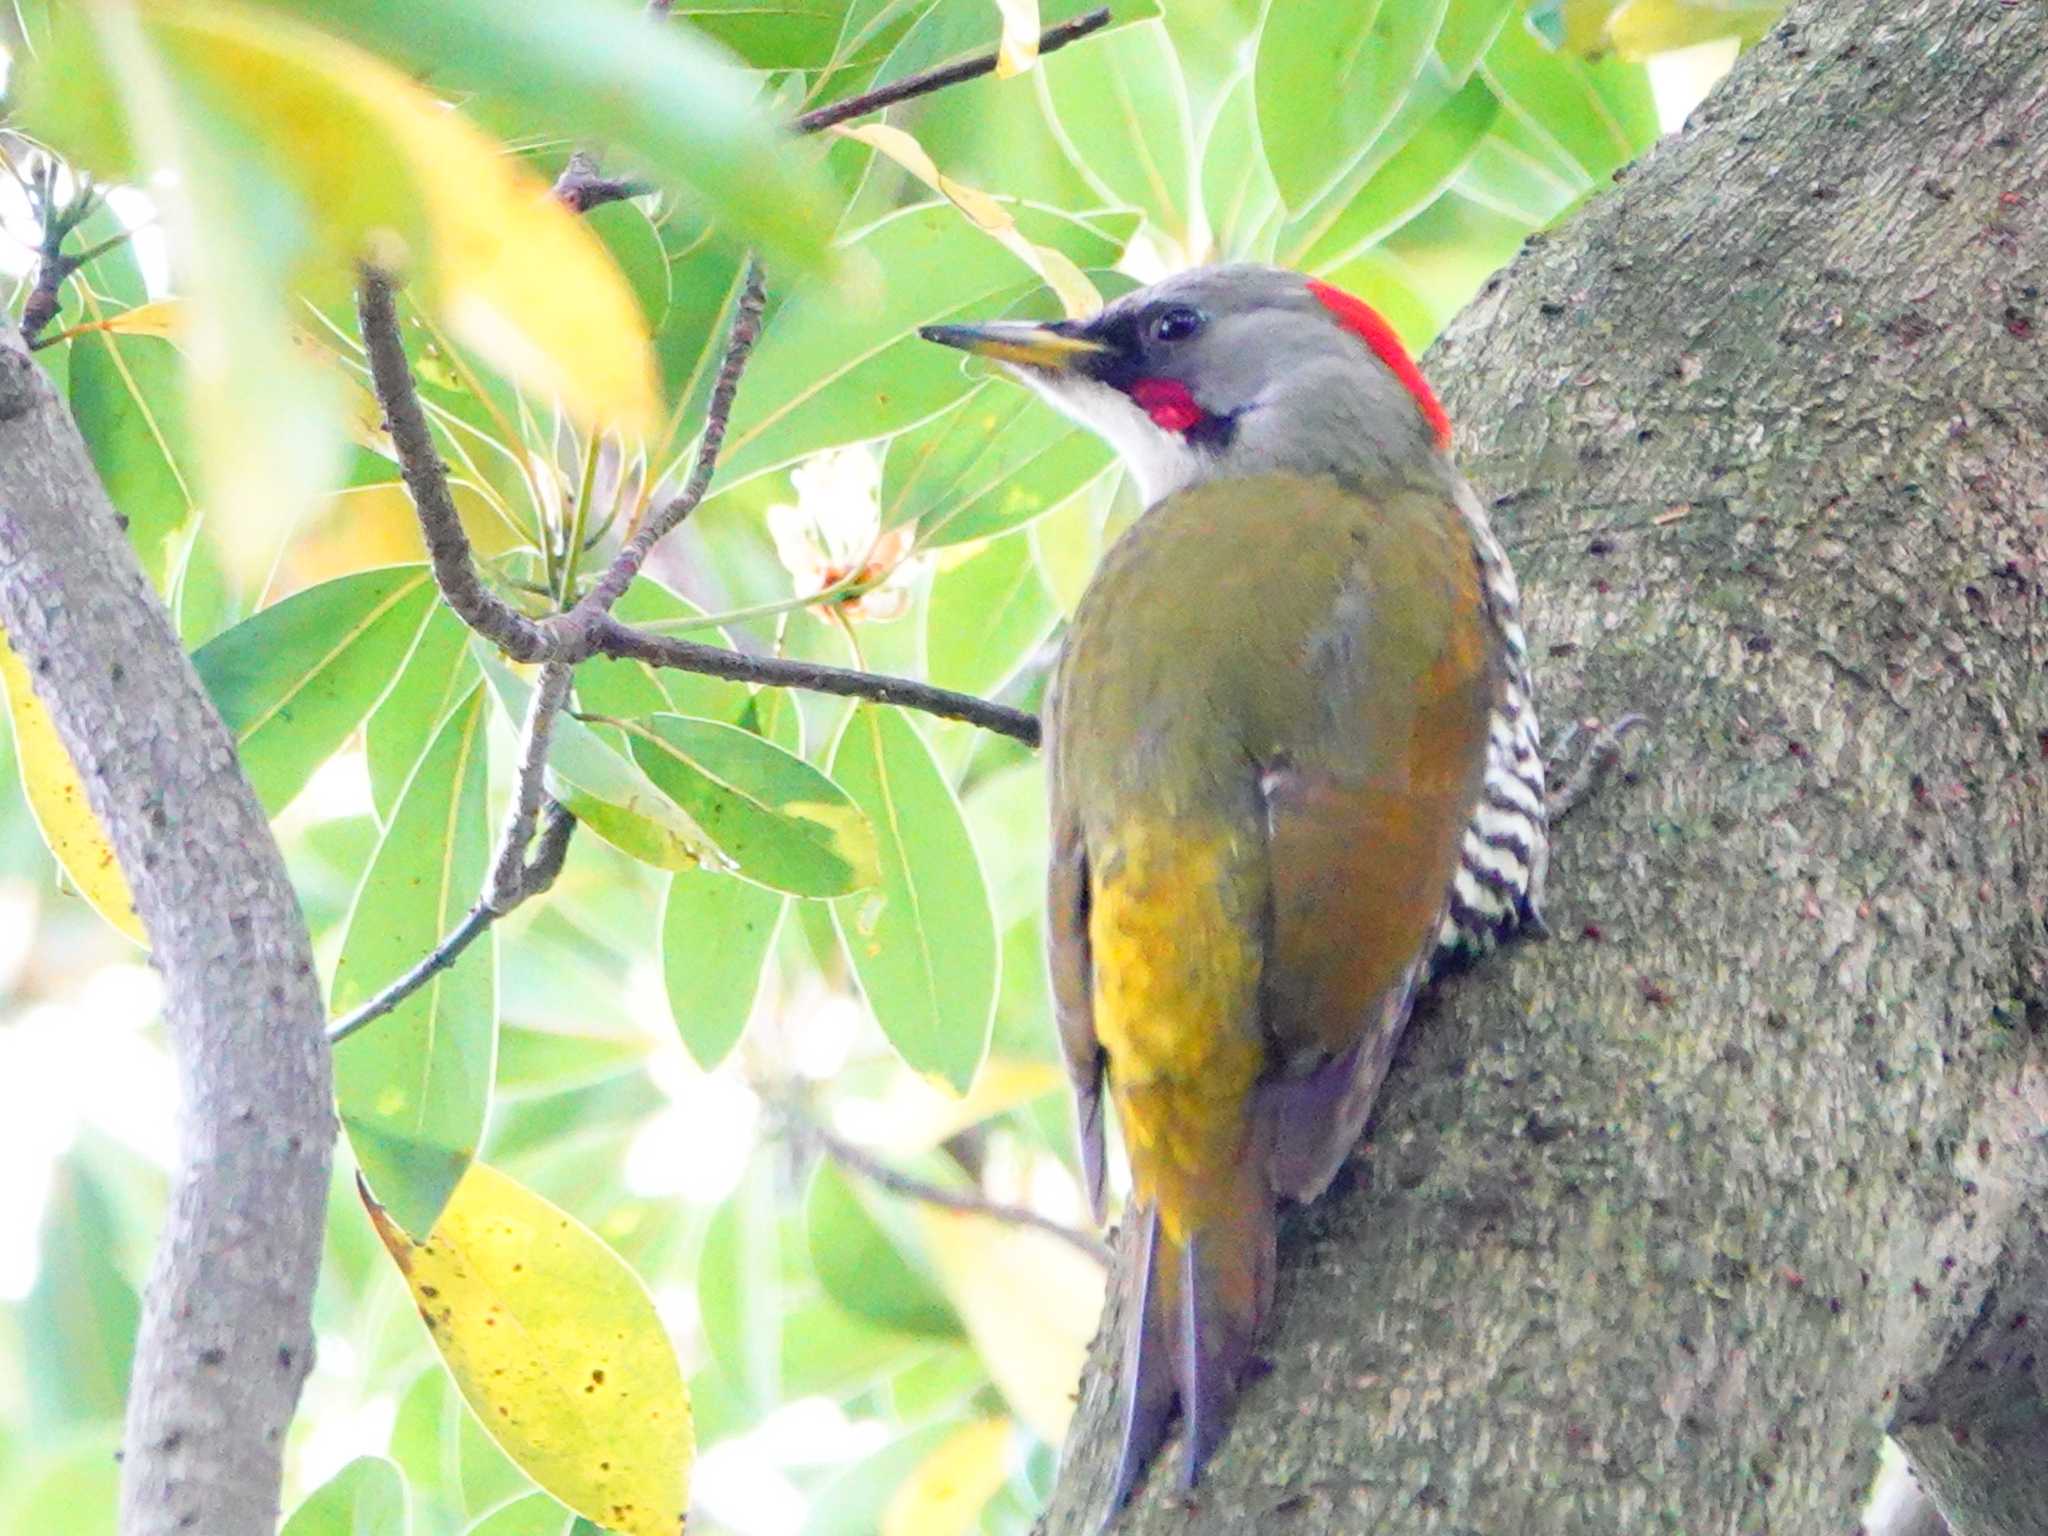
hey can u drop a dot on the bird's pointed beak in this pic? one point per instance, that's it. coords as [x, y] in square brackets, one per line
[1024, 343]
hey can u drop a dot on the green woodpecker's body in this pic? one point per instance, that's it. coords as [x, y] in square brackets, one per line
[1292, 758]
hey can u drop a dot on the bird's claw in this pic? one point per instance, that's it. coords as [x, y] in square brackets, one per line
[1601, 752]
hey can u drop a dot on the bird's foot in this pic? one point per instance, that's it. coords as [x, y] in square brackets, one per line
[1589, 764]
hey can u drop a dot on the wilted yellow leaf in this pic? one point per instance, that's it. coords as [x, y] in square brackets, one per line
[556, 1345]
[502, 256]
[1076, 294]
[58, 800]
[1029, 1303]
[1018, 50]
[946, 1492]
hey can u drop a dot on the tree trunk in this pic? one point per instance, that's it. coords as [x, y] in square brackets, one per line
[226, 1336]
[1661, 1225]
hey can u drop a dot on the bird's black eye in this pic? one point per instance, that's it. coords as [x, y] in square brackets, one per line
[1175, 323]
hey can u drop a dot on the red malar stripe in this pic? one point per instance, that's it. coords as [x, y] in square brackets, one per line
[1364, 322]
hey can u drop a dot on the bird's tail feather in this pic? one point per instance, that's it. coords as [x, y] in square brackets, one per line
[1192, 1311]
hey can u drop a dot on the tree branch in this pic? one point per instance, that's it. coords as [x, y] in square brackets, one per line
[589, 629]
[582, 186]
[226, 1336]
[1051, 40]
[627, 643]
[739, 346]
[859, 1160]
[535, 877]
[510, 882]
[426, 481]
[57, 221]
[1654, 1226]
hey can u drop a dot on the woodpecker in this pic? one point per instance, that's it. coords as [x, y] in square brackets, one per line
[1294, 769]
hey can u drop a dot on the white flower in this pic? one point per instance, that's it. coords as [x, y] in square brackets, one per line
[833, 533]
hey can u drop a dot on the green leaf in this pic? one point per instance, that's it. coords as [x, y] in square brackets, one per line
[636, 249]
[533, 1515]
[706, 272]
[78, 1323]
[1240, 202]
[1330, 76]
[716, 933]
[73, 1486]
[740, 1292]
[992, 463]
[294, 681]
[1120, 111]
[1434, 148]
[1506, 180]
[1470, 26]
[365, 1498]
[127, 396]
[453, 1468]
[437, 675]
[602, 787]
[986, 615]
[866, 1267]
[414, 1087]
[830, 372]
[600, 73]
[769, 34]
[924, 944]
[942, 1383]
[1069, 540]
[1598, 115]
[782, 822]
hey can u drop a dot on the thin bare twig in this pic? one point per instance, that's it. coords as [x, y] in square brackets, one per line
[863, 1162]
[57, 221]
[739, 346]
[426, 481]
[627, 643]
[582, 186]
[1051, 40]
[509, 884]
[536, 877]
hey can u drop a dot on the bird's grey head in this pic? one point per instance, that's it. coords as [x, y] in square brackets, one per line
[1230, 371]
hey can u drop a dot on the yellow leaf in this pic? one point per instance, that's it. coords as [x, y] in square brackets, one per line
[946, 1492]
[58, 800]
[1018, 50]
[164, 318]
[1642, 28]
[555, 1344]
[1585, 26]
[513, 272]
[1028, 1301]
[1076, 294]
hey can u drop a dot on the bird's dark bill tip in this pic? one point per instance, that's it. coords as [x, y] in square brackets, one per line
[1020, 342]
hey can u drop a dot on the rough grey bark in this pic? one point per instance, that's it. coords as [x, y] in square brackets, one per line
[226, 1336]
[1663, 1224]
